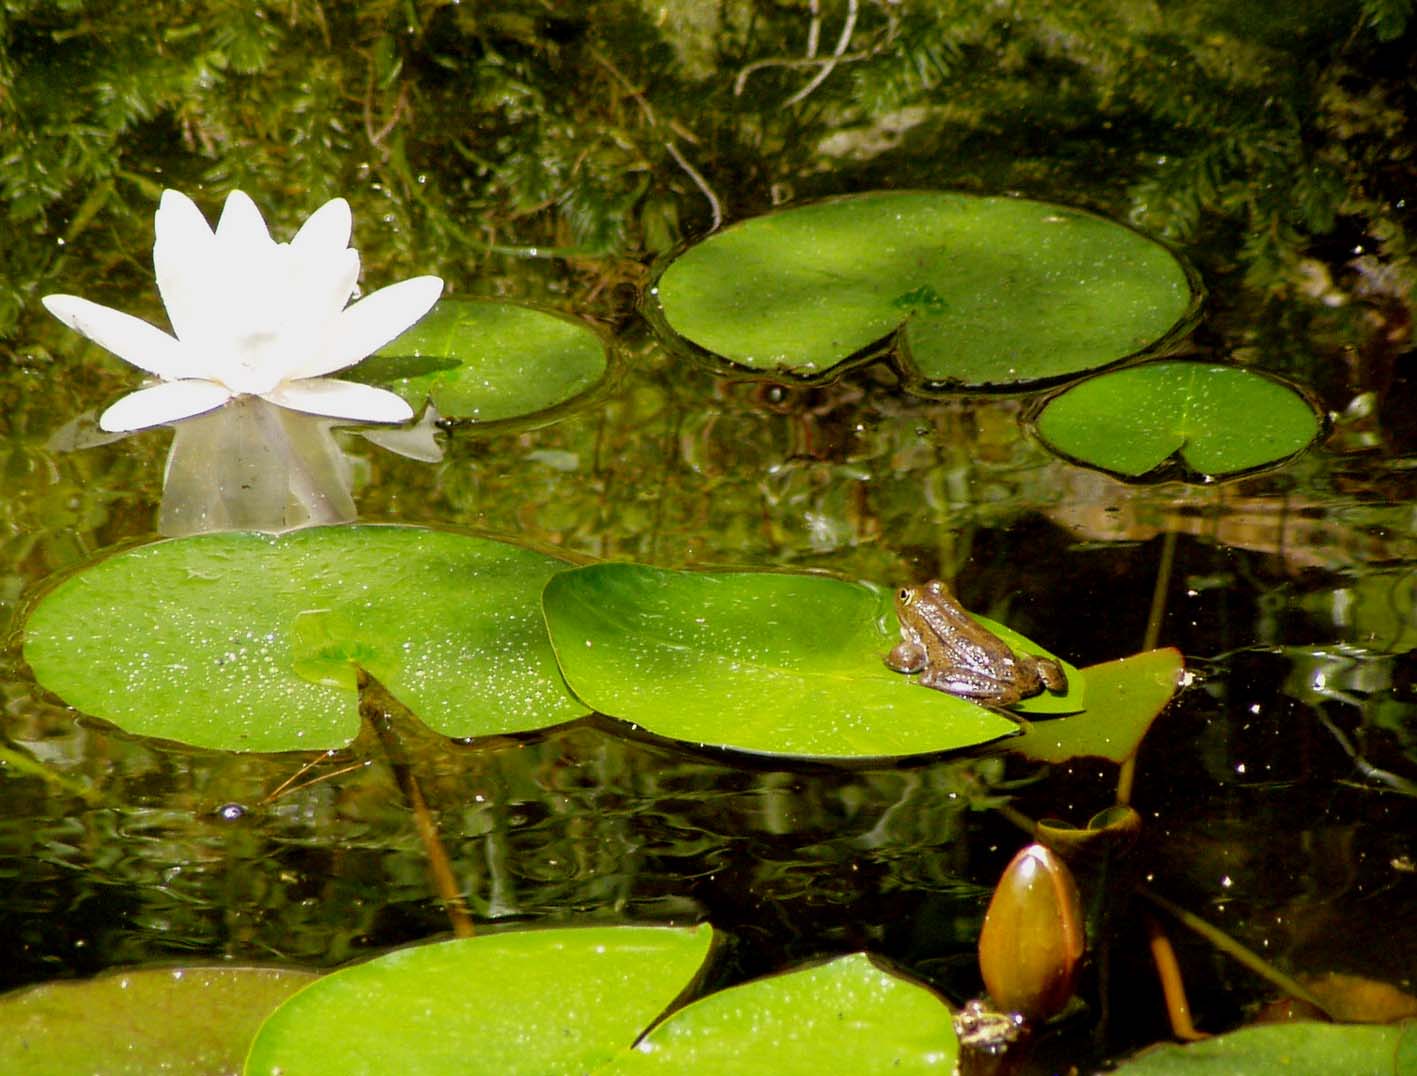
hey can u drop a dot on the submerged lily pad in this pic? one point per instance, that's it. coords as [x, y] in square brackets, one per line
[488, 361]
[194, 1021]
[983, 292]
[1219, 420]
[525, 1003]
[244, 641]
[761, 661]
[1298, 1049]
[846, 1015]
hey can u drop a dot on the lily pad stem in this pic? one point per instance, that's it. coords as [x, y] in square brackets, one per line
[439, 865]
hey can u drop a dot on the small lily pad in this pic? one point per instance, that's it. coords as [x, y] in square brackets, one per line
[245, 641]
[525, 1003]
[981, 291]
[1219, 420]
[1123, 698]
[846, 1015]
[194, 1021]
[761, 661]
[489, 361]
[1297, 1049]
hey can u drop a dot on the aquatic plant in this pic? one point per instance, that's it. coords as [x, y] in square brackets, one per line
[257, 326]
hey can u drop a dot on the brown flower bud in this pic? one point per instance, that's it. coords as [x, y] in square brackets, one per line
[1032, 939]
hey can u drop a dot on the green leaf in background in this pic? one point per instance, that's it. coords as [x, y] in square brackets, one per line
[243, 641]
[196, 1021]
[526, 1003]
[760, 661]
[489, 361]
[844, 1016]
[1299, 1049]
[1123, 698]
[987, 292]
[1220, 420]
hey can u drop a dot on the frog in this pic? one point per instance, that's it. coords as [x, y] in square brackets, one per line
[956, 654]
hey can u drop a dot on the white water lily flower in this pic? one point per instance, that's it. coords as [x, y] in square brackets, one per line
[252, 317]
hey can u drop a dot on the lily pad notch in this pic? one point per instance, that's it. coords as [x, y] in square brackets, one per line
[1181, 418]
[963, 291]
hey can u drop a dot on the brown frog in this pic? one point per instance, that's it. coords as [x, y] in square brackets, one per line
[956, 654]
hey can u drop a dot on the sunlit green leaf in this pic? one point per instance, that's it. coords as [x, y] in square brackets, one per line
[528, 1003]
[843, 1016]
[1218, 419]
[195, 1021]
[1123, 698]
[760, 661]
[244, 641]
[488, 362]
[984, 291]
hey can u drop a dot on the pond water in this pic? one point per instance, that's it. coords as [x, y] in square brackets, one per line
[1276, 791]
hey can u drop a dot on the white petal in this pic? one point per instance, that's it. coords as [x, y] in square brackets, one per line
[241, 221]
[170, 401]
[131, 339]
[340, 399]
[372, 322]
[182, 257]
[328, 228]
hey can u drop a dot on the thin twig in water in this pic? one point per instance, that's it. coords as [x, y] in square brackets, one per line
[714, 207]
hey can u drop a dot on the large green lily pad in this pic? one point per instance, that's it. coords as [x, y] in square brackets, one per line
[576, 1000]
[761, 661]
[246, 641]
[196, 1021]
[489, 362]
[1299, 1049]
[846, 1015]
[983, 292]
[1219, 420]
[529, 1003]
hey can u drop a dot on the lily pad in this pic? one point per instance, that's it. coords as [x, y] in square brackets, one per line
[525, 1003]
[244, 641]
[1298, 1049]
[196, 1021]
[1219, 420]
[489, 361]
[761, 661]
[1123, 698]
[846, 1015]
[975, 291]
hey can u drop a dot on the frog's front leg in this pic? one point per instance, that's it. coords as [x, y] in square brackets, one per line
[971, 685]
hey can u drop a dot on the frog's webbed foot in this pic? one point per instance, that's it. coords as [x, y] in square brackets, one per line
[1052, 675]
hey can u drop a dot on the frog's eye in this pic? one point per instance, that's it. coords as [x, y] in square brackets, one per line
[903, 594]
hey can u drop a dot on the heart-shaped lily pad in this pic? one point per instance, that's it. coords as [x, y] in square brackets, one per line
[193, 1021]
[532, 1003]
[761, 661]
[1219, 420]
[984, 292]
[244, 641]
[489, 361]
[526, 1003]
[846, 1015]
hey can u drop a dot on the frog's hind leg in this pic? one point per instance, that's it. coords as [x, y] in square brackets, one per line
[971, 685]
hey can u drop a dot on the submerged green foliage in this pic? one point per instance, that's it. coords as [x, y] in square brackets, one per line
[453, 123]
